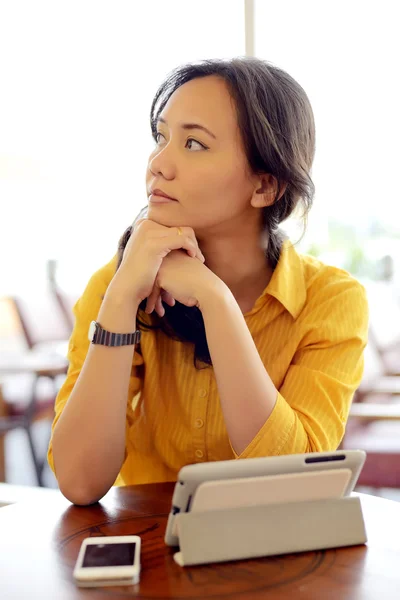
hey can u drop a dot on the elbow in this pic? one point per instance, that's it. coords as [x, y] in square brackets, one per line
[80, 491]
[79, 486]
[80, 495]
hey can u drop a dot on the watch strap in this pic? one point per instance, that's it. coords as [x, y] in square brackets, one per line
[108, 338]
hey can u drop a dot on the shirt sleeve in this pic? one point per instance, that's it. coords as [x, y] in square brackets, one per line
[86, 310]
[314, 400]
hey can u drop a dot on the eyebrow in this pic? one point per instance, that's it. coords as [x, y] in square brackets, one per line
[190, 126]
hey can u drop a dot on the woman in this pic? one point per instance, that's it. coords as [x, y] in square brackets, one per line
[255, 349]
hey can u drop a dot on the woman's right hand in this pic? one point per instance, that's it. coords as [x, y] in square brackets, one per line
[147, 246]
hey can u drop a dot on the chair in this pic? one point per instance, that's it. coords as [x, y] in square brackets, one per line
[32, 377]
[384, 333]
[42, 321]
[374, 421]
[64, 299]
[22, 404]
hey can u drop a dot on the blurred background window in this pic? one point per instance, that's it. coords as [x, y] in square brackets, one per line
[77, 81]
[345, 55]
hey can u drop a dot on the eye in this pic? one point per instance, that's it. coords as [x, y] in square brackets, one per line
[191, 141]
[156, 136]
[201, 146]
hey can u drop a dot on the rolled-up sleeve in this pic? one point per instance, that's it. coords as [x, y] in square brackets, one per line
[314, 400]
[86, 310]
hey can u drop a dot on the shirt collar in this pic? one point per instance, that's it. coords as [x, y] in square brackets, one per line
[288, 283]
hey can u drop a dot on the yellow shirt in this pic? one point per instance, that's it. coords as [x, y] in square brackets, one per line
[310, 328]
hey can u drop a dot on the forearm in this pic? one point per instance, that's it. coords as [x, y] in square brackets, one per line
[246, 391]
[89, 438]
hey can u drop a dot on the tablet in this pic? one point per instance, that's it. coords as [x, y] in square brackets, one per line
[191, 476]
[270, 489]
[226, 494]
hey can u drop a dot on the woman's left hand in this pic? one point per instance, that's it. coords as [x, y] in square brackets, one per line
[184, 279]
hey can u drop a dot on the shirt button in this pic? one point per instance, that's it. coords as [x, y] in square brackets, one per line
[202, 393]
[199, 423]
[199, 453]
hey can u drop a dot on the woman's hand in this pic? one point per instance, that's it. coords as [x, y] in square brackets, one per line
[188, 281]
[145, 251]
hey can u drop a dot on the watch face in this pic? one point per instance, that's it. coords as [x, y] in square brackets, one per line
[92, 330]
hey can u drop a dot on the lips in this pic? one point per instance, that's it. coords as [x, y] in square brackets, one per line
[158, 192]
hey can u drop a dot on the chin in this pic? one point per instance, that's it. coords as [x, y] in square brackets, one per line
[162, 215]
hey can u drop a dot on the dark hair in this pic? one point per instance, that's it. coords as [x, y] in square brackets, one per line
[277, 128]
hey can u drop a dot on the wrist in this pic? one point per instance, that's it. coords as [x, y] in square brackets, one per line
[118, 311]
[214, 295]
[118, 292]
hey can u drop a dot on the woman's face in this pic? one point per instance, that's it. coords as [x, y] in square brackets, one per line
[205, 170]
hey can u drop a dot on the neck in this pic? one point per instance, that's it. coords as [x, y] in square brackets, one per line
[237, 256]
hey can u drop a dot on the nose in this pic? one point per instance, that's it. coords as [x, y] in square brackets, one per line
[161, 162]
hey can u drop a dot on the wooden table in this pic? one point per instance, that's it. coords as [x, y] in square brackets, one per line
[39, 543]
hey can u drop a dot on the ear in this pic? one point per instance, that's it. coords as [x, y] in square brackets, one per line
[265, 191]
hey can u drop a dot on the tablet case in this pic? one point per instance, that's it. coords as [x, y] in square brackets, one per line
[190, 477]
[255, 531]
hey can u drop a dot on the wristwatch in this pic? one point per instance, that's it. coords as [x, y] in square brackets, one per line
[98, 335]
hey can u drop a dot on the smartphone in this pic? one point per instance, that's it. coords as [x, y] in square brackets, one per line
[110, 560]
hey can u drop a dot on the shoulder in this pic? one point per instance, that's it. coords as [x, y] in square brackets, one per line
[325, 281]
[97, 286]
[335, 298]
[86, 310]
[102, 277]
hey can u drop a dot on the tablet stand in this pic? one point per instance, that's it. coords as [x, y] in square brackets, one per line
[266, 530]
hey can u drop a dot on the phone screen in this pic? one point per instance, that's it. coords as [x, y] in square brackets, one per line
[109, 555]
